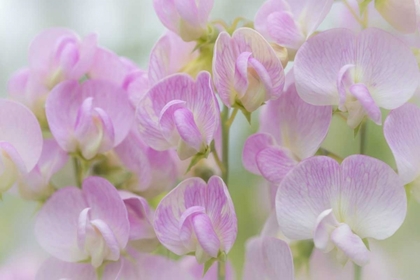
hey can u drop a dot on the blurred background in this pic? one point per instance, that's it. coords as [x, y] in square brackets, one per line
[130, 28]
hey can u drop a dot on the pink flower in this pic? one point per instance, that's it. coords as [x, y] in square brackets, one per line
[152, 172]
[89, 118]
[356, 72]
[122, 72]
[20, 142]
[246, 70]
[55, 55]
[187, 18]
[197, 218]
[36, 184]
[180, 113]
[339, 206]
[170, 55]
[291, 130]
[401, 131]
[91, 224]
[403, 15]
[289, 22]
[268, 258]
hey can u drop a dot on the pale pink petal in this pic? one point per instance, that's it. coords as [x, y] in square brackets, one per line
[391, 82]
[253, 145]
[295, 124]
[402, 132]
[224, 59]
[152, 267]
[373, 200]
[261, 18]
[326, 223]
[187, 128]
[318, 63]
[17, 125]
[53, 269]
[167, 13]
[361, 92]
[305, 193]
[169, 55]
[86, 55]
[57, 222]
[220, 208]
[310, 13]
[206, 236]
[274, 163]
[284, 30]
[268, 258]
[101, 196]
[248, 40]
[402, 15]
[351, 244]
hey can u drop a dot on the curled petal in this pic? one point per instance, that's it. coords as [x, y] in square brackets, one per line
[274, 163]
[253, 145]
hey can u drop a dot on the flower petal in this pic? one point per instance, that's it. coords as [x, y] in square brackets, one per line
[17, 125]
[268, 258]
[253, 145]
[373, 200]
[361, 92]
[56, 224]
[304, 194]
[53, 269]
[402, 132]
[274, 163]
[107, 206]
[402, 15]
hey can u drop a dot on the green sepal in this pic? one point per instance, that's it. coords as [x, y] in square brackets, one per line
[357, 129]
[208, 264]
[363, 6]
[198, 157]
[239, 106]
[366, 242]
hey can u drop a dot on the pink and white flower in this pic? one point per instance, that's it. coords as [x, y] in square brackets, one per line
[180, 113]
[91, 224]
[401, 130]
[89, 118]
[356, 73]
[187, 18]
[196, 217]
[20, 142]
[341, 205]
[291, 130]
[268, 258]
[246, 70]
[36, 184]
[290, 22]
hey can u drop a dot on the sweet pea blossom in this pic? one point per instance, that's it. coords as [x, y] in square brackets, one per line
[91, 224]
[356, 73]
[403, 15]
[36, 184]
[290, 22]
[20, 142]
[290, 131]
[180, 113]
[151, 172]
[89, 118]
[196, 217]
[341, 205]
[170, 55]
[268, 258]
[187, 18]
[246, 70]
[55, 55]
[121, 71]
[401, 130]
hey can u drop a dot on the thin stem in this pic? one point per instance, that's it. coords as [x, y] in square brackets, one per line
[221, 270]
[363, 138]
[325, 152]
[217, 158]
[357, 272]
[232, 117]
[78, 171]
[225, 144]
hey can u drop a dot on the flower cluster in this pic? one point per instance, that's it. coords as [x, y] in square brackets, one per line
[150, 148]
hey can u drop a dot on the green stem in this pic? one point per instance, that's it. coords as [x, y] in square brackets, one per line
[363, 22]
[80, 169]
[221, 270]
[363, 138]
[357, 272]
[225, 143]
[232, 118]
